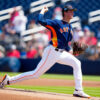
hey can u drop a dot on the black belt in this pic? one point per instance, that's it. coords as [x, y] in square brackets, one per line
[60, 50]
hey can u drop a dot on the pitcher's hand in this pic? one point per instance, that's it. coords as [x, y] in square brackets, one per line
[44, 10]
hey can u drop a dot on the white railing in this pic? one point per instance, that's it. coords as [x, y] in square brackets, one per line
[7, 11]
[75, 22]
[39, 2]
[34, 30]
[10, 10]
[93, 13]
[94, 16]
[41, 6]
[4, 17]
[63, 1]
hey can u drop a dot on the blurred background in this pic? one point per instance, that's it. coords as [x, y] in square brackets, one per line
[23, 39]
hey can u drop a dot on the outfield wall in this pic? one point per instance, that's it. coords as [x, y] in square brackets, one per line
[88, 67]
[22, 65]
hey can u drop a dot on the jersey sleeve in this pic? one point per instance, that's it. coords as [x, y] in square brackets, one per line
[45, 22]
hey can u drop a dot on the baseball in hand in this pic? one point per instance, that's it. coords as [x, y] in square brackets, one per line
[45, 9]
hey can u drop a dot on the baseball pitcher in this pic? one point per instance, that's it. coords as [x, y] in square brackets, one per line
[58, 51]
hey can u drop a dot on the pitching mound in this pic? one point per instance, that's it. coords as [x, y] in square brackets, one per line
[17, 94]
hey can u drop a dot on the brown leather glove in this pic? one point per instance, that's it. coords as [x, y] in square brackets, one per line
[78, 48]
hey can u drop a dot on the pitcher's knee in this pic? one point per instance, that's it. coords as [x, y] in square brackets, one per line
[77, 64]
[36, 76]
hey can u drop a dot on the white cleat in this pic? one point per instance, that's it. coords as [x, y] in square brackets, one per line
[5, 81]
[80, 93]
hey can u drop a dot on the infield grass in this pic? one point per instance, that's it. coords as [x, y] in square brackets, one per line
[92, 91]
[59, 76]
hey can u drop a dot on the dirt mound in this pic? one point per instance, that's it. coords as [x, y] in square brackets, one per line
[57, 82]
[17, 94]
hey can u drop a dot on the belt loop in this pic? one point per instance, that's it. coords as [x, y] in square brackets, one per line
[56, 49]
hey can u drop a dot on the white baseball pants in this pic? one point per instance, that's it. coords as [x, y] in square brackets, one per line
[50, 57]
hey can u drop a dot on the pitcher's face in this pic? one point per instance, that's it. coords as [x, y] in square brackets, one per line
[69, 14]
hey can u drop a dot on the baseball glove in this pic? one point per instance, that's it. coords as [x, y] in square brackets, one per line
[78, 48]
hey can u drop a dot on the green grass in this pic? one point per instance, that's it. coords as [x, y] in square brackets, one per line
[70, 77]
[93, 91]
[9, 73]
[59, 76]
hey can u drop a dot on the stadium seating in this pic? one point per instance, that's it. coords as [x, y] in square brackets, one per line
[84, 7]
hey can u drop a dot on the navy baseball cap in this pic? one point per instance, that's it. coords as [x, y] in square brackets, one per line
[69, 7]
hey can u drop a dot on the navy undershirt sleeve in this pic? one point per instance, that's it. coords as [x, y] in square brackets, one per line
[45, 22]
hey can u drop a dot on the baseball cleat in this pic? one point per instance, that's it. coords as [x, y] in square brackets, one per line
[5, 81]
[80, 93]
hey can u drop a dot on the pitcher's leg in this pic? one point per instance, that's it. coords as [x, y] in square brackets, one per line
[77, 75]
[46, 63]
[68, 59]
